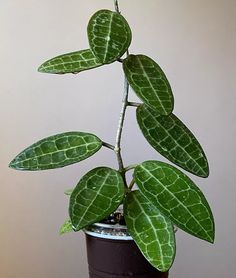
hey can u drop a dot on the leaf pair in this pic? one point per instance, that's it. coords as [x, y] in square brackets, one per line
[165, 196]
[109, 37]
[100, 192]
[176, 195]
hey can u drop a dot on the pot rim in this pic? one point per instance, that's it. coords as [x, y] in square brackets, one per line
[108, 231]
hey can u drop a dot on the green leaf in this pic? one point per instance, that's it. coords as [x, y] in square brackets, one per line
[109, 35]
[171, 138]
[95, 197]
[66, 227]
[151, 230]
[149, 83]
[57, 151]
[177, 197]
[73, 62]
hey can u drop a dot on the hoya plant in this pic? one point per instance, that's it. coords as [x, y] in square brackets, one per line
[164, 196]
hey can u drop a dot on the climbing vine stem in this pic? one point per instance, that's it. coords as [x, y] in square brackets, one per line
[117, 6]
[117, 148]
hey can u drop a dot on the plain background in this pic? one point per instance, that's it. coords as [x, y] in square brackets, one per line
[193, 41]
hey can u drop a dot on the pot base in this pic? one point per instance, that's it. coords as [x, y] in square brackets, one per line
[109, 258]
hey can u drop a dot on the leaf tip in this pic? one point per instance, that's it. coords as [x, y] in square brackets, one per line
[212, 238]
[42, 68]
[206, 173]
[12, 164]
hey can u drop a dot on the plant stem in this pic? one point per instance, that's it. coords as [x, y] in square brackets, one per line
[117, 6]
[120, 128]
[109, 146]
[117, 148]
[131, 185]
[135, 104]
[130, 167]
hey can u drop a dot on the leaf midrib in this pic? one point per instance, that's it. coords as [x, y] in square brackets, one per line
[154, 90]
[150, 222]
[50, 153]
[95, 197]
[72, 62]
[109, 32]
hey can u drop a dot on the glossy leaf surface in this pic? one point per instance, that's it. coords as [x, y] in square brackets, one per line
[57, 151]
[149, 83]
[171, 138]
[73, 62]
[109, 35]
[177, 197]
[96, 196]
[66, 227]
[152, 231]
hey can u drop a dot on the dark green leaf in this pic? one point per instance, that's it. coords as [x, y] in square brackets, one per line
[66, 227]
[109, 35]
[151, 230]
[57, 151]
[149, 83]
[177, 197]
[95, 197]
[73, 62]
[170, 137]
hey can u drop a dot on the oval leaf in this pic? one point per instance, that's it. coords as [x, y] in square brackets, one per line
[171, 138]
[109, 35]
[73, 62]
[95, 197]
[57, 151]
[149, 83]
[151, 230]
[66, 227]
[177, 197]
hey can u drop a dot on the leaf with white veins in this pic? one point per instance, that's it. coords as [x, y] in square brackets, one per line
[73, 62]
[57, 151]
[177, 197]
[152, 231]
[171, 138]
[96, 196]
[149, 83]
[109, 35]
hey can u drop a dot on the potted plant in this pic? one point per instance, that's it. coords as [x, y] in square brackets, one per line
[128, 225]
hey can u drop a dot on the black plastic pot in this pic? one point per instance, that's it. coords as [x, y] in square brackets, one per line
[112, 253]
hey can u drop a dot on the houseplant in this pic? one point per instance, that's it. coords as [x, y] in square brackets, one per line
[165, 195]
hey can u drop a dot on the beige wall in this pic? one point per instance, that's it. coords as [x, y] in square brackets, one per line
[193, 41]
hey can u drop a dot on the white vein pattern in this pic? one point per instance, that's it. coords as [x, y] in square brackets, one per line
[109, 35]
[151, 230]
[73, 62]
[57, 151]
[177, 197]
[149, 83]
[170, 137]
[98, 194]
